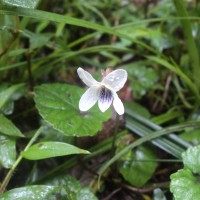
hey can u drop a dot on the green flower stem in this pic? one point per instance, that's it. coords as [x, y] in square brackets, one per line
[115, 134]
[190, 42]
[9, 175]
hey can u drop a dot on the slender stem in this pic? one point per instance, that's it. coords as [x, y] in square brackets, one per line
[15, 34]
[9, 174]
[115, 134]
[31, 82]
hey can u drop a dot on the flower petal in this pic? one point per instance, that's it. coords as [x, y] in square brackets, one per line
[116, 79]
[86, 77]
[89, 98]
[105, 99]
[118, 105]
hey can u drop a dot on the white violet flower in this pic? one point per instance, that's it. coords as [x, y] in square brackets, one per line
[105, 92]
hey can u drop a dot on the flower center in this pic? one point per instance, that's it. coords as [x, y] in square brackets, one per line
[105, 95]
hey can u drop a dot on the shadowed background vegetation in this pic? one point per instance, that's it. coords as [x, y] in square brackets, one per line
[49, 149]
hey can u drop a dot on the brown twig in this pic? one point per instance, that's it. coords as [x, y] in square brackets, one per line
[158, 106]
[146, 190]
[31, 82]
[15, 34]
[112, 194]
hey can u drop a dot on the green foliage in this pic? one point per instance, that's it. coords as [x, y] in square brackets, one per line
[8, 128]
[138, 166]
[137, 120]
[71, 188]
[141, 77]
[42, 45]
[177, 70]
[7, 95]
[50, 149]
[21, 3]
[158, 194]
[191, 159]
[58, 105]
[7, 151]
[184, 184]
[38, 40]
[62, 187]
[192, 136]
[32, 192]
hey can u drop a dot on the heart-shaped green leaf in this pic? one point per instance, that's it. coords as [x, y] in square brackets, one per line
[191, 159]
[44, 150]
[184, 185]
[137, 166]
[58, 105]
[36, 192]
[142, 78]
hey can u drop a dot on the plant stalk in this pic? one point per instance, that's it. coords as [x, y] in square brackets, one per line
[9, 174]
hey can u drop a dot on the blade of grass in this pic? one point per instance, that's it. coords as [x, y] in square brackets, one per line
[191, 45]
[177, 71]
[143, 126]
[163, 143]
[66, 55]
[166, 117]
[43, 15]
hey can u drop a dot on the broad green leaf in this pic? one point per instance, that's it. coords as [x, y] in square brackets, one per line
[8, 128]
[142, 78]
[7, 151]
[85, 193]
[58, 105]
[44, 150]
[34, 192]
[8, 93]
[21, 3]
[8, 108]
[184, 185]
[191, 159]
[39, 40]
[137, 166]
[192, 136]
[7, 102]
[73, 189]
[159, 39]
[139, 32]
